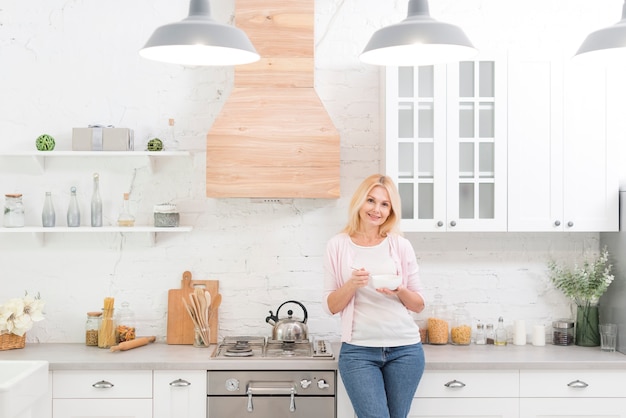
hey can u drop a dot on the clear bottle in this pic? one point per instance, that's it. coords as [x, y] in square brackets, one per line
[92, 327]
[125, 324]
[438, 322]
[490, 335]
[48, 216]
[13, 211]
[96, 202]
[461, 331]
[500, 333]
[171, 143]
[479, 337]
[73, 210]
[125, 217]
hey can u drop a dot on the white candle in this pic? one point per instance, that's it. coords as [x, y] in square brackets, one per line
[519, 337]
[539, 335]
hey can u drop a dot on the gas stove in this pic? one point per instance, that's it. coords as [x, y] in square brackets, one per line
[251, 347]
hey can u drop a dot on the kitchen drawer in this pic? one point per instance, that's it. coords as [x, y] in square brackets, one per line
[480, 383]
[572, 384]
[80, 384]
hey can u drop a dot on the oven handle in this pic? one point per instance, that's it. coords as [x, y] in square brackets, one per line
[272, 388]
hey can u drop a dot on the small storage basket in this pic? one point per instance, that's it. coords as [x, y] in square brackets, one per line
[11, 341]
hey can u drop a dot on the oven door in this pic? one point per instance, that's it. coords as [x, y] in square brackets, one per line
[274, 406]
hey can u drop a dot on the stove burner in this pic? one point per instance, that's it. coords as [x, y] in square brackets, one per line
[240, 349]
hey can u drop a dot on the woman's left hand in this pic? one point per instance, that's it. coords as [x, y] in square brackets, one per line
[386, 291]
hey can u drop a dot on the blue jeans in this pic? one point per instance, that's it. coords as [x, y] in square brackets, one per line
[381, 381]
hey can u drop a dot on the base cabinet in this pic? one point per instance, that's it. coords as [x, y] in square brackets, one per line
[464, 407]
[567, 408]
[180, 394]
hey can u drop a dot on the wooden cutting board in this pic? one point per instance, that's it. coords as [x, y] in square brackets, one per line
[179, 323]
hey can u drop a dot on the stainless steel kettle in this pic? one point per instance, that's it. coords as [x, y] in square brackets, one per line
[290, 328]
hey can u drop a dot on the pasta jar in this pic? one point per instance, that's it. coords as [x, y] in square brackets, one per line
[438, 323]
[461, 331]
[124, 324]
[92, 327]
[13, 211]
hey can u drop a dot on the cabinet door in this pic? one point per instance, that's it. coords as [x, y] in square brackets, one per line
[180, 394]
[102, 408]
[467, 407]
[573, 407]
[416, 143]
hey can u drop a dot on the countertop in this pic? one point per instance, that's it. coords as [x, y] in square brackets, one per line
[160, 356]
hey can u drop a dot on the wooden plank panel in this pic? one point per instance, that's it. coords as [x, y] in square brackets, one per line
[277, 72]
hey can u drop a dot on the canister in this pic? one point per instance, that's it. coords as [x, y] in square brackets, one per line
[563, 332]
[13, 211]
[165, 215]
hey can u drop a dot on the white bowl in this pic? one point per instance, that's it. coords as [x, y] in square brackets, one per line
[389, 281]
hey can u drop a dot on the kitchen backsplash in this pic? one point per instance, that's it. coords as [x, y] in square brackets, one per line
[64, 67]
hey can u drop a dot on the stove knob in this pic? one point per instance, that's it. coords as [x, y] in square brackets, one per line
[305, 383]
[322, 384]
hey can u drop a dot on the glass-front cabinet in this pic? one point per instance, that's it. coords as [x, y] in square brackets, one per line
[446, 144]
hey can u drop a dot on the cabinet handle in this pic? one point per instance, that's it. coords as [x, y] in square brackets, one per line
[557, 223]
[577, 384]
[180, 383]
[440, 224]
[570, 224]
[455, 384]
[453, 223]
[103, 384]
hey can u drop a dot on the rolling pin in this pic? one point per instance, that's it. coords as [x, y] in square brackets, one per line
[137, 342]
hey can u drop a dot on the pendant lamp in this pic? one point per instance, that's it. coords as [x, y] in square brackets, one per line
[608, 44]
[199, 40]
[418, 40]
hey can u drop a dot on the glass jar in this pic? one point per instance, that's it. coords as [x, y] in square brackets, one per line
[106, 335]
[92, 327]
[490, 335]
[125, 324]
[479, 338]
[13, 211]
[563, 332]
[461, 331]
[438, 322]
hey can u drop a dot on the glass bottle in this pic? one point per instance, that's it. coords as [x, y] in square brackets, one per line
[500, 333]
[92, 327]
[48, 216]
[125, 324]
[125, 217]
[461, 332]
[438, 322]
[96, 202]
[13, 211]
[171, 143]
[73, 210]
[480, 339]
[490, 335]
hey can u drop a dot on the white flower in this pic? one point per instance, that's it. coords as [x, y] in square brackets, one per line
[17, 316]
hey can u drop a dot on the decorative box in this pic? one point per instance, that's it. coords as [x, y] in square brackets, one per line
[165, 215]
[102, 138]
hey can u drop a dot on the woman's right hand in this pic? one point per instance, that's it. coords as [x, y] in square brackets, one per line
[359, 278]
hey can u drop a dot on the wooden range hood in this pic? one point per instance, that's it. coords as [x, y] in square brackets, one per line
[273, 137]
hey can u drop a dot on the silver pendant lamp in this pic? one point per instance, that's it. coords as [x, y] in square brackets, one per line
[199, 40]
[418, 40]
[608, 44]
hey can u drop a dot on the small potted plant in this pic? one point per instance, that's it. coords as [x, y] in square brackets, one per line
[17, 316]
[584, 285]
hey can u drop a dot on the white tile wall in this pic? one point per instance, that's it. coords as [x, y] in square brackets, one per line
[68, 63]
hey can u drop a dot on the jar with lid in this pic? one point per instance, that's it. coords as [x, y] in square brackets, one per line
[461, 331]
[501, 335]
[438, 322]
[13, 210]
[92, 327]
[490, 334]
[563, 332]
[479, 337]
[125, 324]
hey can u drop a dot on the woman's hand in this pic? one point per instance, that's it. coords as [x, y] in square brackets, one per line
[359, 278]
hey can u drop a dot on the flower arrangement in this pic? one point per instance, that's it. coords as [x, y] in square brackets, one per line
[583, 284]
[18, 315]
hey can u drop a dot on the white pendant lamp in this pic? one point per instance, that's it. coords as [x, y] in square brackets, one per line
[418, 40]
[608, 44]
[199, 40]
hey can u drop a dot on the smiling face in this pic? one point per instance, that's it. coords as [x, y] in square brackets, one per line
[376, 208]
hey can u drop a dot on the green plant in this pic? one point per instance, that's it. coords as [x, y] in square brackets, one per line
[583, 284]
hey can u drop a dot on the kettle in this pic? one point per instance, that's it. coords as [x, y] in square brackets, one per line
[288, 329]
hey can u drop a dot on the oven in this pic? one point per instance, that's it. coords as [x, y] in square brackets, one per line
[288, 393]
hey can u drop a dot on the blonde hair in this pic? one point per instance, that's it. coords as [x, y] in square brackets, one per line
[359, 197]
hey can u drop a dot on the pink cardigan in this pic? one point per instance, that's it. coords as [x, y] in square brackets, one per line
[339, 254]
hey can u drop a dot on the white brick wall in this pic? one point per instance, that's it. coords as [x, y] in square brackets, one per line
[68, 63]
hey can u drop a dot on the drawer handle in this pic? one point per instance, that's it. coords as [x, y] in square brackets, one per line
[180, 383]
[577, 384]
[103, 384]
[455, 384]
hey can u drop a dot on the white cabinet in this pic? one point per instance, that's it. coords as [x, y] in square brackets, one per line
[572, 393]
[446, 144]
[562, 127]
[467, 394]
[180, 394]
[102, 394]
